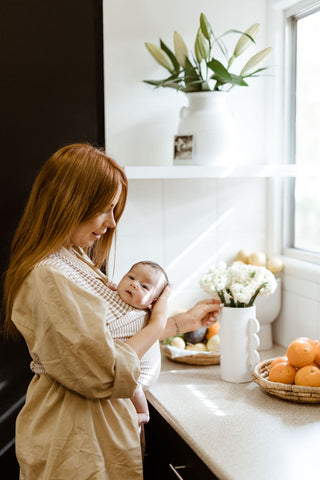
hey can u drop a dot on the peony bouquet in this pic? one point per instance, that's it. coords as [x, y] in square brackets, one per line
[239, 284]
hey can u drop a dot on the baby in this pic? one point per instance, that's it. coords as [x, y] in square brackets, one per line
[139, 289]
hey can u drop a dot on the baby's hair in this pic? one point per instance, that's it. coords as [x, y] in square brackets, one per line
[156, 267]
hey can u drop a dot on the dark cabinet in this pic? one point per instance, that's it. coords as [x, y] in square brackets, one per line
[51, 94]
[167, 456]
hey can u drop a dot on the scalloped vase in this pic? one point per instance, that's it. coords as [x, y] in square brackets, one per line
[238, 344]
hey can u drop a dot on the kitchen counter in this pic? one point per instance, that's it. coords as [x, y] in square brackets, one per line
[239, 431]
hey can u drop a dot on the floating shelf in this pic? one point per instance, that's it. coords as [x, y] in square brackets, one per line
[200, 171]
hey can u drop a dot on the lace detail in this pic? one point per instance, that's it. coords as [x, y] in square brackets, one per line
[86, 277]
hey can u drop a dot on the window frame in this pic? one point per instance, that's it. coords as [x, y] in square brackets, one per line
[284, 15]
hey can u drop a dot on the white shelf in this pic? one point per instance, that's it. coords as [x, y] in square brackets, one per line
[195, 171]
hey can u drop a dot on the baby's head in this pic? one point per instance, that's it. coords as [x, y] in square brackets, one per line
[143, 284]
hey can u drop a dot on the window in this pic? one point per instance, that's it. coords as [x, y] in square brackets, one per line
[302, 235]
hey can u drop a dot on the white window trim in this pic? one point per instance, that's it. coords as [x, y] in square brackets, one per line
[305, 264]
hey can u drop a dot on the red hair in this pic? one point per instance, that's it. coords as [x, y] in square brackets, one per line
[74, 185]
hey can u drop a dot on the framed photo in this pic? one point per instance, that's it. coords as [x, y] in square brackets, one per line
[183, 149]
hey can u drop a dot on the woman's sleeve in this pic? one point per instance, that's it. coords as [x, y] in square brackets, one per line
[64, 325]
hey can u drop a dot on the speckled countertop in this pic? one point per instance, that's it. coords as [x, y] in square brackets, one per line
[239, 431]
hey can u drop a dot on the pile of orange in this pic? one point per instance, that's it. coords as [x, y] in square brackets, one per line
[300, 365]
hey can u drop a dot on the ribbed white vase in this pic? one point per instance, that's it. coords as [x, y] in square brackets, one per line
[238, 343]
[208, 119]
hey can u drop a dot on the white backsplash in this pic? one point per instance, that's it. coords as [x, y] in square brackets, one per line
[300, 312]
[187, 224]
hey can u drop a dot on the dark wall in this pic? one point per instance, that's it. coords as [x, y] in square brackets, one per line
[51, 94]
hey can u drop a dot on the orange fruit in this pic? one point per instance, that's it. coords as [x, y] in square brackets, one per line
[307, 339]
[277, 360]
[282, 372]
[304, 339]
[308, 376]
[314, 364]
[317, 354]
[300, 353]
[213, 330]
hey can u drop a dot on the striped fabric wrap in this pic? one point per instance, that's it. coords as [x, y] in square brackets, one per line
[122, 320]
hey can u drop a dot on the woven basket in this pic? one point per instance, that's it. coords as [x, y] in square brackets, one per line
[212, 358]
[293, 393]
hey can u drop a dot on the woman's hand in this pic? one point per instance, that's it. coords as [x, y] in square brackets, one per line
[202, 314]
[160, 308]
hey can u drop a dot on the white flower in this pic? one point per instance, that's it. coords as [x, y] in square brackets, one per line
[239, 284]
[244, 41]
[269, 281]
[216, 279]
[256, 62]
[240, 293]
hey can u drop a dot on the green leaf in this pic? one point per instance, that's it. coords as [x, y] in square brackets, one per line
[233, 30]
[171, 55]
[155, 83]
[222, 46]
[170, 82]
[237, 80]
[195, 86]
[191, 77]
[219, 70]
[254, 74]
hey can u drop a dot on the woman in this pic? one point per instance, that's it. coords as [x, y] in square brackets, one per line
[78, 421]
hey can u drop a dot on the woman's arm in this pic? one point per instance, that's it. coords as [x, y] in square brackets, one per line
[64, 326]
[202, 314]
[142, 341]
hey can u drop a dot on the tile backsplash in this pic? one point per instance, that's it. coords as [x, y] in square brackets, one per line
[185, 225]
[188, 224]
[300, 312]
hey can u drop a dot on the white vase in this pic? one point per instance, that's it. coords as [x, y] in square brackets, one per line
[208, 119]
[268, 309]
[238, 343]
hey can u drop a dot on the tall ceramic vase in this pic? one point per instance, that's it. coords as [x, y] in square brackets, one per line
[208, 119]
[238, 343]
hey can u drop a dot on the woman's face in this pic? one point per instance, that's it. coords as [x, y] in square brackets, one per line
[85, 234]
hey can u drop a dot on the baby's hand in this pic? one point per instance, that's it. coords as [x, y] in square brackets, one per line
[143, 418]
[113, 286]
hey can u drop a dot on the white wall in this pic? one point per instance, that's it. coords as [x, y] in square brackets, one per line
[183, 224]
[140, 120]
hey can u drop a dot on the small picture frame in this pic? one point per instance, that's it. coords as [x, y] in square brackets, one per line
[183, 149]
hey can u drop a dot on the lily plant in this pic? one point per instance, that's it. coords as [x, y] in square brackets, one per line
[200, 70]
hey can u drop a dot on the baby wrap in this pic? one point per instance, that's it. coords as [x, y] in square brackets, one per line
[78, 421]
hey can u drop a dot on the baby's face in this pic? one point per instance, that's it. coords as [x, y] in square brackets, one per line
[141, 286]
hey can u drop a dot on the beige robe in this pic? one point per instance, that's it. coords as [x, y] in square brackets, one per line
[78, 422]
